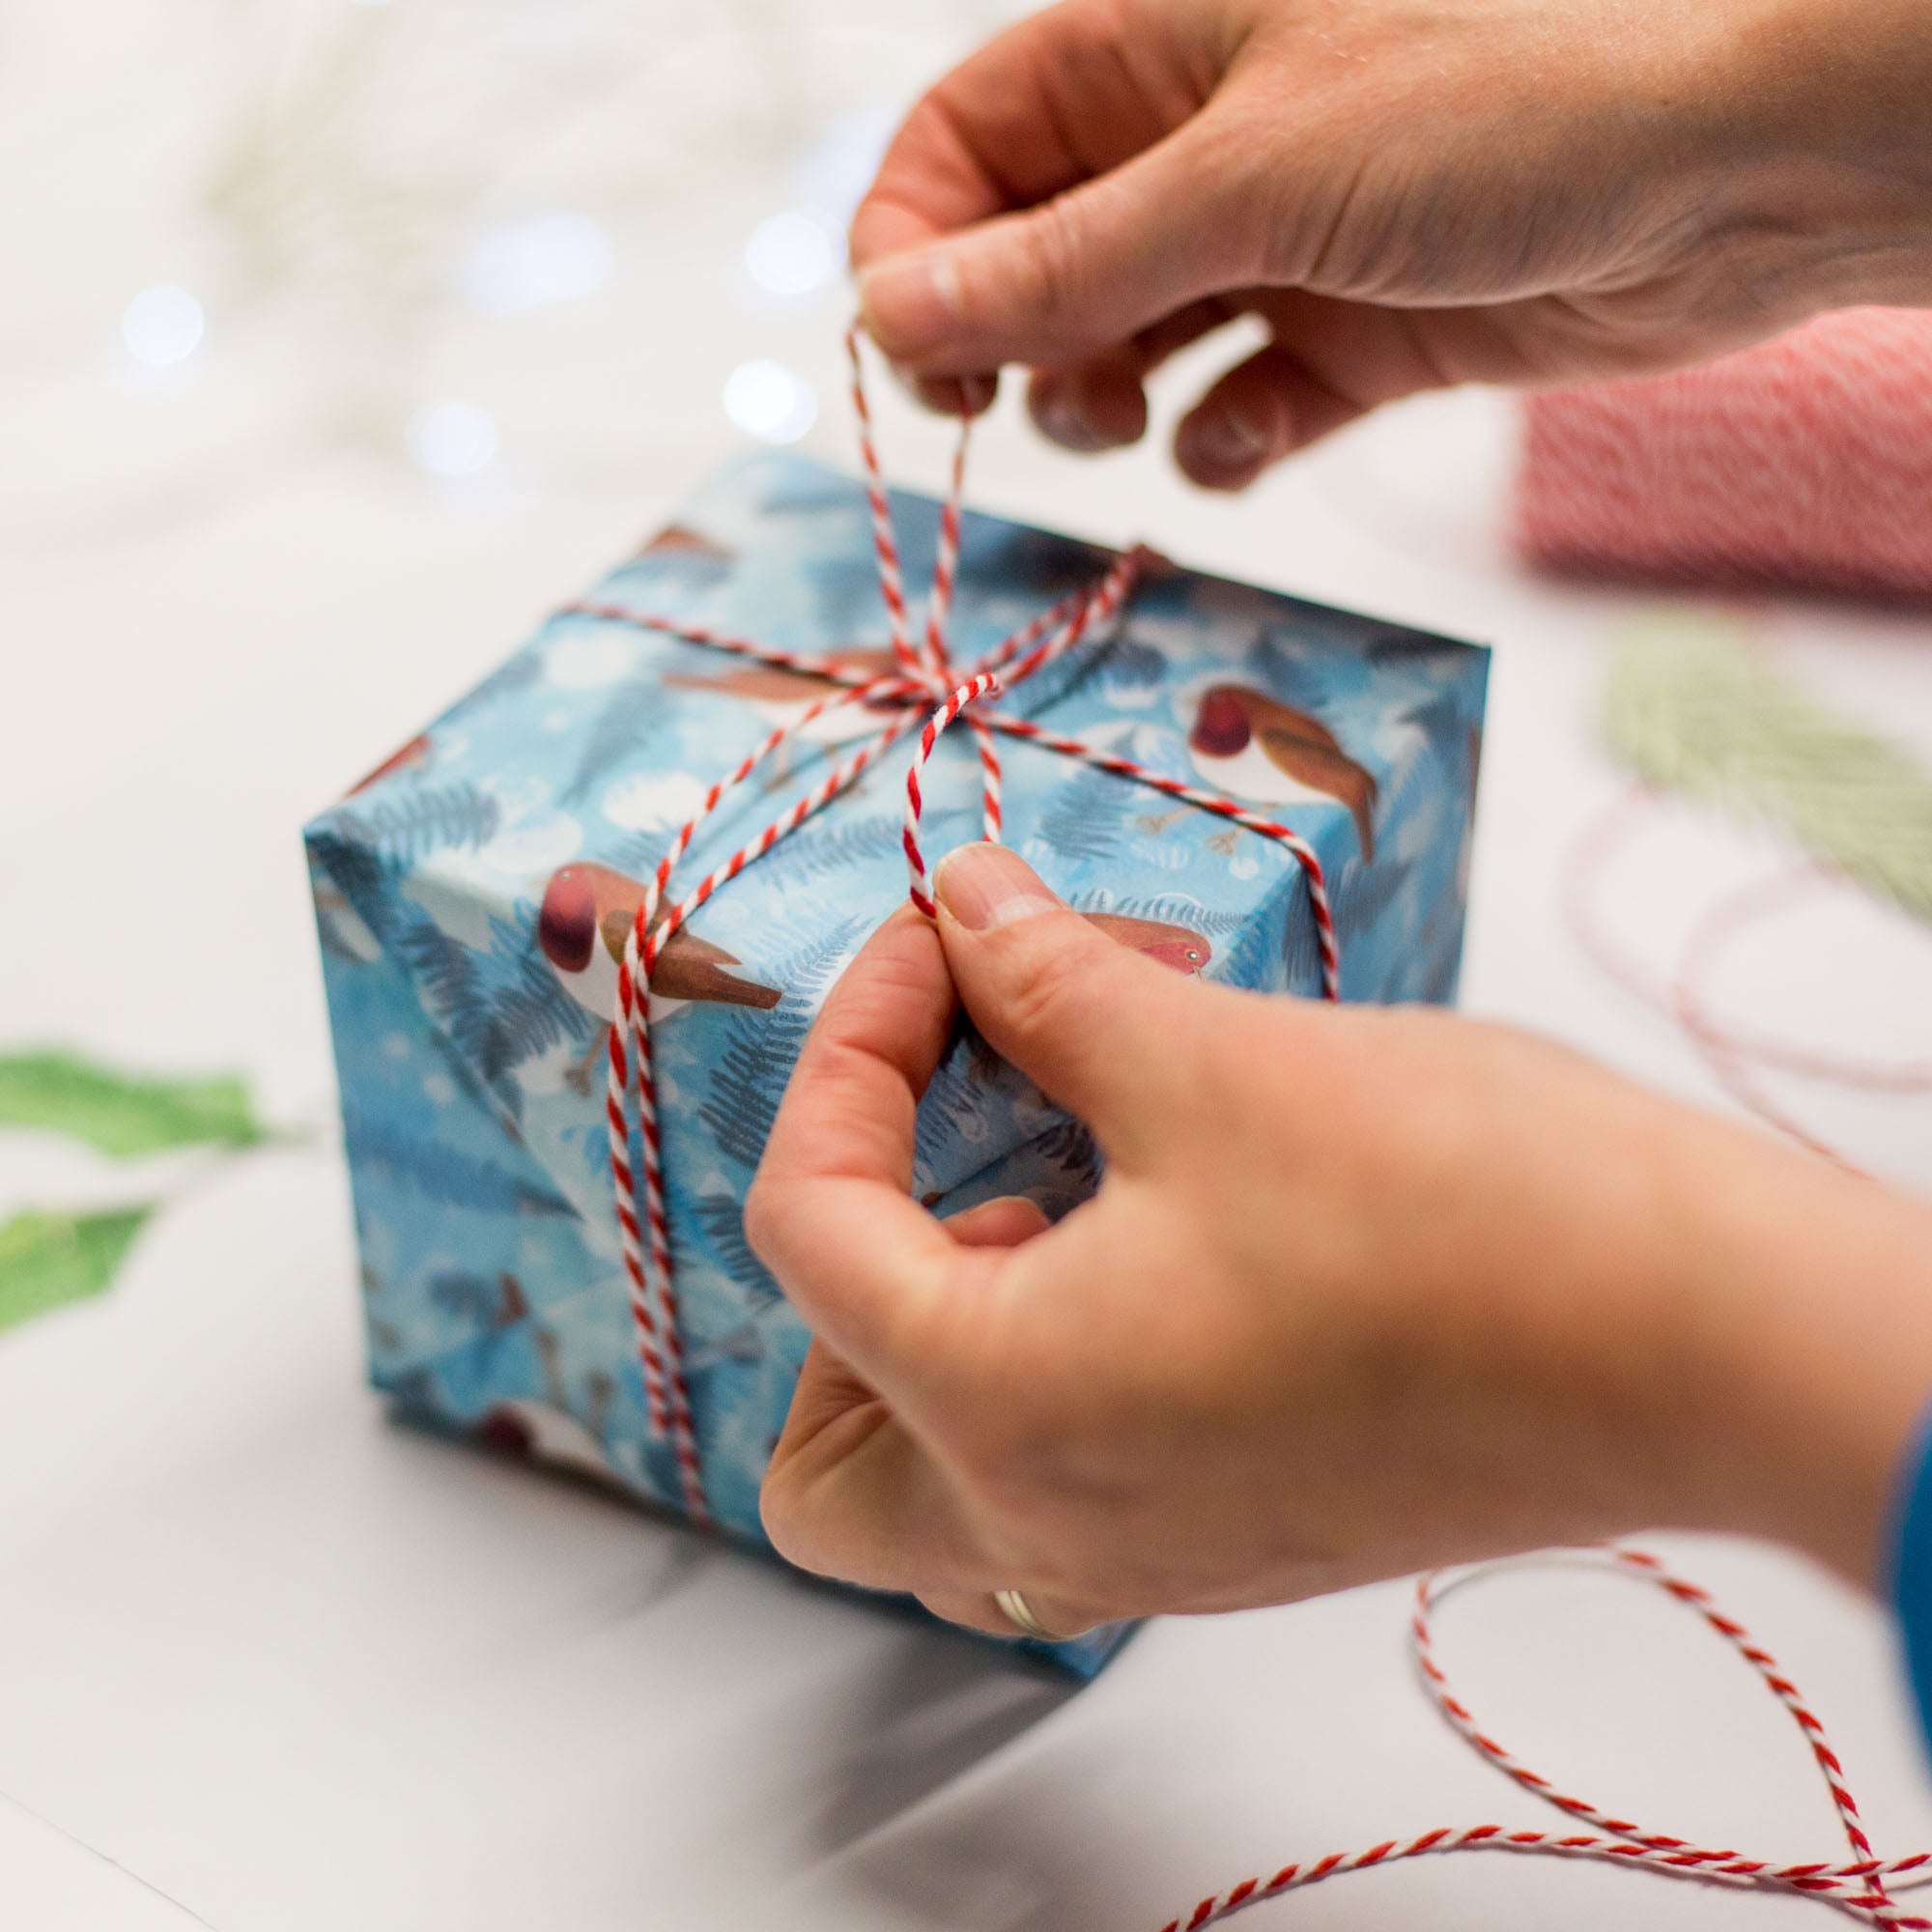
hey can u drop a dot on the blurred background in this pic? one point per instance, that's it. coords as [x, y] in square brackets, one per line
[339, 341]
[341, 338]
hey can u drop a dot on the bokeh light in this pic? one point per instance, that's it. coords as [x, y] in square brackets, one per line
[511, 268]
[162, 326]
[835, 170]
[770, 402]
[793, 253]
[452, 439]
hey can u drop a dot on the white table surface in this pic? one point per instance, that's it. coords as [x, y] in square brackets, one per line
[269, 1664]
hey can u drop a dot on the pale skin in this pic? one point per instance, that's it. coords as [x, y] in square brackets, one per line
[1362, 1291]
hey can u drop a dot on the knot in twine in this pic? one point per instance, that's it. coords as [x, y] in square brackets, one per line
[926, 684]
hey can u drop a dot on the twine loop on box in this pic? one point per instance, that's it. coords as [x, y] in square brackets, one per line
[926, 689]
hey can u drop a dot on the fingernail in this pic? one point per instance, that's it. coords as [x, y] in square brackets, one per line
[984, 885]
[977, 393]
[911, 301]
[1231, 440]
[1063, 415]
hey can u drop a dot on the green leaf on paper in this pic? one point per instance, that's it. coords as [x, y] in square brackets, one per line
[1694, 708]
[49, 1260]
[123, 1114]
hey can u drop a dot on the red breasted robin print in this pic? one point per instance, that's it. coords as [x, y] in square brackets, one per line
[544, 1430]
[411, 759]
[681, 540]
[541, 1434]
[780, 696]
[585, 919]
[1255, 748]
[1179, 947]
[783, 697]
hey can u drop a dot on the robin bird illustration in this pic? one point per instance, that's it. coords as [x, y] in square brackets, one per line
[411, 759]
[582, 926]
[681, 540]
[541, 1434]
[1175, 947]
[779, 696]
[1249, 744]
[543, 1430]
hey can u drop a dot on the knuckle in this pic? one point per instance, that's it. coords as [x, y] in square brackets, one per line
[785, 1522]
[1051, 254]
[761, 1217]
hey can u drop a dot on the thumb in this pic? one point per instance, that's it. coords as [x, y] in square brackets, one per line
[1076, 273]
[1104, 1030]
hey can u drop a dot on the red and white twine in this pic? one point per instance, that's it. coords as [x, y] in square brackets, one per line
[1864, 1885]
[927, 685]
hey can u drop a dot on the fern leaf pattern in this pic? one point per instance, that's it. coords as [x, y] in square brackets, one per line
[622, 735]
[515, 675]
[359, 874]
[1086, 817]
[498, 1008]
[1255, 954]
[1127, 664]
[405, 828]
[1070, 1147]
[443, 1174]
[758, 1059]
[721, 1219]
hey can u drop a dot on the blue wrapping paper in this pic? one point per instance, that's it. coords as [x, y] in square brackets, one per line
[462, 893]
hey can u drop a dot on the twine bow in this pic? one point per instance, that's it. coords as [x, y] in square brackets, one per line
[927, 685]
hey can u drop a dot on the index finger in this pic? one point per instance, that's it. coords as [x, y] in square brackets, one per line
[1043, 106]
[830, 1212]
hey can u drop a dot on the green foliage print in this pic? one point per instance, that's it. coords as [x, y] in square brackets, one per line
[49, 1260]
[123, 1114]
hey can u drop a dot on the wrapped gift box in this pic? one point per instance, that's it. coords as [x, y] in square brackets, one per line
[469, 894]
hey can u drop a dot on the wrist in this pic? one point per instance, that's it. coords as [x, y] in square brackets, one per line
[1802, 1335]
[1824, 108]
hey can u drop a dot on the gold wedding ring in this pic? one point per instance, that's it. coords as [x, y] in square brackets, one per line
[1018, 1612]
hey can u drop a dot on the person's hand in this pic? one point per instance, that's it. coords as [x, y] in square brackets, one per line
[1407, 194]
[1361, 1290]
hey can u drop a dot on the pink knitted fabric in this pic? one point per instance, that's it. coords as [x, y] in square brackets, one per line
[1805, 462]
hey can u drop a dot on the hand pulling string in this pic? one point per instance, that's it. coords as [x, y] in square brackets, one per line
[928, 685]
[1860, 1886]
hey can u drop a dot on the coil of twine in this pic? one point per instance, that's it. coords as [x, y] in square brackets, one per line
[1805, 462]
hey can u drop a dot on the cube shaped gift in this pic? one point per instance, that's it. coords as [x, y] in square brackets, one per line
[488, 903]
